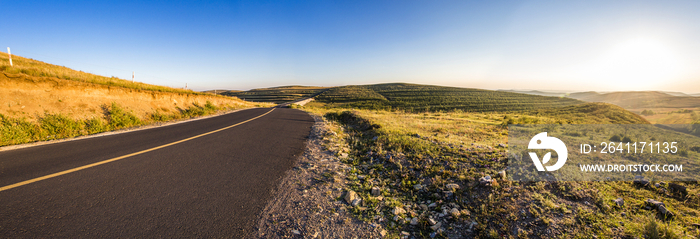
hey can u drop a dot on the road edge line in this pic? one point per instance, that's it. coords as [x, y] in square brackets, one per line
[11, 186]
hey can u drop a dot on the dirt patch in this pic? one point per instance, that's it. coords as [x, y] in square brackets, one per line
[307, 203]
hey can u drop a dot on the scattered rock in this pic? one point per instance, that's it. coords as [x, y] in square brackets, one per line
[485, 180]
[432, 221]
[502, 145]
[296, 232]
[448, 194]
[678, 189]
[455, 212]
[502, 173]
[465, 212]
[350, 196]
[432, 205]
[356, 202]
[375, 191]
[657, 185]
[660, 207]
[382, 233]
[343, 155]
[436, 226]
[375, 138]
[405, 233]
[620, 202]
[414, 221]
[418, 187]
[640, 181]
[472, 225]
[398, 211]
[452, 186]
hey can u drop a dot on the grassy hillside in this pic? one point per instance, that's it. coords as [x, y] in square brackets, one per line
[420, 98]
[640, 99]
[428, 167]
[41, 101]
[34, 68]
[277, 95]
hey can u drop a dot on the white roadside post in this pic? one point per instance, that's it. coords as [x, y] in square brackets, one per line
[133, 73]
[9, 55]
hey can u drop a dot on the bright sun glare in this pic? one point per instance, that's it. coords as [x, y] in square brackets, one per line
[639, 63]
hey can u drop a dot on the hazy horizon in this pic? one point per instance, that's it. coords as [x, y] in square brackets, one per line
[550, 46]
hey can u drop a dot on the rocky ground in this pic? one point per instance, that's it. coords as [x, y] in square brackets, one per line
[309, 201]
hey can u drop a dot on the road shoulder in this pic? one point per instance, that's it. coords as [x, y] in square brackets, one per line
[306, 202]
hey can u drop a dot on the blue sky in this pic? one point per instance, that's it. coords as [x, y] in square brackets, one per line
[555, 45]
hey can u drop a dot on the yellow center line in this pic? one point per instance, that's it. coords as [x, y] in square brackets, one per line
[125, 156]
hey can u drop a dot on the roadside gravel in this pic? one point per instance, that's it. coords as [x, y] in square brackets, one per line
[307, 203]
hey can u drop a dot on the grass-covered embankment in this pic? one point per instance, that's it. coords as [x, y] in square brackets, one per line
[41, 101]
[428, 171]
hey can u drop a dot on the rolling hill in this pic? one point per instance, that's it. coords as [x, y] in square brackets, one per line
[640, 99]
[277, 95]
[419, 98]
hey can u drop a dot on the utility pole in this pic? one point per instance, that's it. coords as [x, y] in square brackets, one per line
[133, 73]
[9, 55]
[185, 86]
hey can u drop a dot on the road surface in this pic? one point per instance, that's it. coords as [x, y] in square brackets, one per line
[182, 180]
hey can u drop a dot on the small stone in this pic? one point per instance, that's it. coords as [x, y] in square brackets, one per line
[640, 181]
[296, 232]
[502, 173]
[436, 226]
[375, 191]
[397, 218]
[398, 211]
[452, 186]
[678, 189]
[657, 185]
[343, 155]
[414, 221]
[350, 196]
[432, 205]
[405, 233]
[356, 202]
[502, 145]
[620, 202]
[432, 221]
[424, 207]
[418, 187]
[485, 181]
[433, 234]
[382, 233]
[448, 194]
[454, 212]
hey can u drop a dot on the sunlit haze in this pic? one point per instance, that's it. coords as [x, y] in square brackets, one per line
[555, 46]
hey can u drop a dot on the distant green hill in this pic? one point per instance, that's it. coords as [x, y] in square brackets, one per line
[413, 97]
[640, 99]
[277, 95]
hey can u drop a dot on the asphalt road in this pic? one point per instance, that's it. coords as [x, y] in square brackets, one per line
[213, 186]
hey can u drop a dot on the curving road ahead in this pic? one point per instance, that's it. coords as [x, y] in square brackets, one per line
[181, 180]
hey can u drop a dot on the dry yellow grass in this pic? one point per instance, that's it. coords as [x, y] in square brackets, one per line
[31, 89]
[32, 97]
[40, 101]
